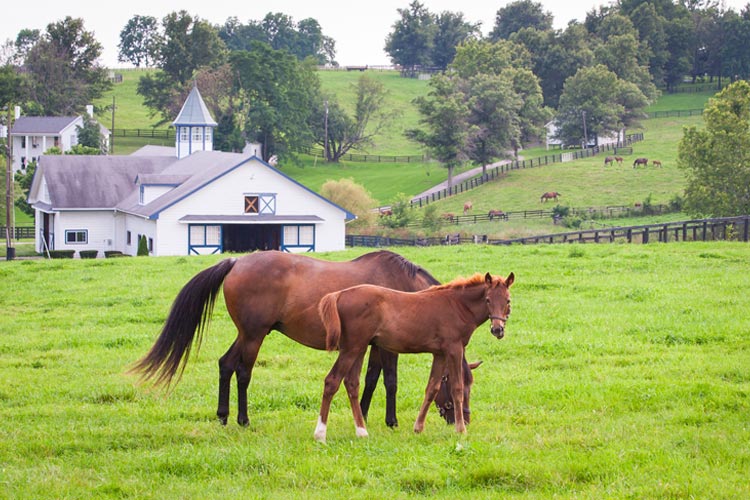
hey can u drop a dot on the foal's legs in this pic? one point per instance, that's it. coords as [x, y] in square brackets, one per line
[433, 386]
[455, 372]
[343, 365]
[351, 382]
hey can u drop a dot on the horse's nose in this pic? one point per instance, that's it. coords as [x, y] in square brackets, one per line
[498, 331]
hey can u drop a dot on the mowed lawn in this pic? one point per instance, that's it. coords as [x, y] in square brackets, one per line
[623, 374]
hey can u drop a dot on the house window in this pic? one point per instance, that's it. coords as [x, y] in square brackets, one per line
[76, 236]
[23, 141]
[128, 237]
[251, 204]
[151, 245]
[57, 141]
[184, 134]
[197, 135]
[208, 134]
[299, 235]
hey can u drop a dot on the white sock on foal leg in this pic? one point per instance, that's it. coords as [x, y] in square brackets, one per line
[320, 431]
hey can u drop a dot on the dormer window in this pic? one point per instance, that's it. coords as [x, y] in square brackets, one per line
[251, 204]
[264, 203]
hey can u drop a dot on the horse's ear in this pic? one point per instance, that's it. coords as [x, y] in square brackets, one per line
[509, 280]
[488, 279]
[474, 364]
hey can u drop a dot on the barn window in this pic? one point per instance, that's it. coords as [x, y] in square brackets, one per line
[251, 204]
[205, 235]
[76, 236]
[299, 235]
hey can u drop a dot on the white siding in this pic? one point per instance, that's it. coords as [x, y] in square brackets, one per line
[99, 229]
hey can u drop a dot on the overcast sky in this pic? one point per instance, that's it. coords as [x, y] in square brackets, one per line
[358, 27]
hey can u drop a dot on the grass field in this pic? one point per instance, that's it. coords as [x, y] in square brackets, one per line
[623, 374]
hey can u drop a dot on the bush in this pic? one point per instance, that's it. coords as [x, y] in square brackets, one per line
[142, 246]
[352, 196]
[432, 220]
[113, 253]
[89, 254]
[61, 254]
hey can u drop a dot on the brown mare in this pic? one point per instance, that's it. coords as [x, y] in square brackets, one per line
[439, 320]
[619, 160]
[267, 291]
[552, 195]
[497, 213]
[656, 163]
[640, 161]
[468, 206]
[609, 160]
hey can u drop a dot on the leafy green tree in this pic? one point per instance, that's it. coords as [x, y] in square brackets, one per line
[357, 131]
[278, 93]
[445, 114]
[142, 246]
[517, 15]
[140, 41]
[410, 43]
[189, 43]
[11, 86]
[352, 196]
[63, 69]
[596, 102]
[89, 135]
[716, 158]
[451, 31]
[24, 180]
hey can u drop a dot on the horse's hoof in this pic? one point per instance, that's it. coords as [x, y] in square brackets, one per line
[391, 423]
[243, 421]
[222, 418]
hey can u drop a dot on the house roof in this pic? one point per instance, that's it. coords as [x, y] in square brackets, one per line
[78, 182]
[194, 111]
[42, 125]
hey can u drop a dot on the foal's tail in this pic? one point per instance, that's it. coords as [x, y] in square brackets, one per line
[190, 313]
[329, 315]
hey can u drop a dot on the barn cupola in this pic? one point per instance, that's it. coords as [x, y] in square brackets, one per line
[193, 126]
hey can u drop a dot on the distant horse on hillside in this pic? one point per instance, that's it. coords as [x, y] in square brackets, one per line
[609, 160]
[656, 163]
[550, 195]
[640, 161]
[497, 213]
[619, 160]
[468, 206]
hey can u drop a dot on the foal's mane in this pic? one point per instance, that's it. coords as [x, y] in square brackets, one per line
[410, 268]
[476, 279]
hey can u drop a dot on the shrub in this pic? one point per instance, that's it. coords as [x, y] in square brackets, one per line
[142, 246]
[352, 196]
[432, 220]
[113, 253]
[61, 254]
[88, 254]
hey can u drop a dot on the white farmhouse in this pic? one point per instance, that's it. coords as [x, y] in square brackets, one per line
[203, 202]
[33, 135]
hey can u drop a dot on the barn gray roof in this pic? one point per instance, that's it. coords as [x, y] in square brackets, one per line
[41, 125]
[194, 111]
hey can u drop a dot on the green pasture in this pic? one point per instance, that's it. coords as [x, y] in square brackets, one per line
[623, 374]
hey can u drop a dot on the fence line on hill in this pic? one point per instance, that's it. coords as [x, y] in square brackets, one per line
[714, 229]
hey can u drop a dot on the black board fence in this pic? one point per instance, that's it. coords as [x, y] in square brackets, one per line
[716, 229]
[20, 232]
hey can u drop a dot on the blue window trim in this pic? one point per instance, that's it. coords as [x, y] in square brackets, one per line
[308, 248]
[193, 249]
[85, 233]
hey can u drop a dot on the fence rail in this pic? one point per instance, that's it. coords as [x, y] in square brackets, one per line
[151, 133]
[19, 232]
[717, 229]
[679, 112]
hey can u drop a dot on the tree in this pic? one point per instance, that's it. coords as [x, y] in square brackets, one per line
[189, 43]
[11, 86]
[445, 115]
[278, 94]
[716, 158]
[596, 102]
[24, 180]
[140, 41]
[451, 31]
[63, 68]
[517, 15]
[142, 246]
[410, 43]
[90, 136]
[347, 132]
[353, 197]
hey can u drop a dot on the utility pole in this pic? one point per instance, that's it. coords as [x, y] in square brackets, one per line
[326, 134]
[112, 130]
[10, 252]
[585, 135]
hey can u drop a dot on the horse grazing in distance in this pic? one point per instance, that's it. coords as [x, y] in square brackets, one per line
[609, 160]
[551, 195]
[468, 206]
[619, 160]
[258, 289]
[656, 163]
[640, 161]
[424, 321]
[497, 213]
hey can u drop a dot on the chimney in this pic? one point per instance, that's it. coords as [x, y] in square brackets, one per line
[90, 110]
[18, 112]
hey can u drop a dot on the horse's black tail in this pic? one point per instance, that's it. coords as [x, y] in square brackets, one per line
[190, 313]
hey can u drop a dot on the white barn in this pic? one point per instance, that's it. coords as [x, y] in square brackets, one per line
[205, 202]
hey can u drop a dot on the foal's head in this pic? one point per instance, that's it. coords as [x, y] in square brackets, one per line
[444, 400]
[498, 302]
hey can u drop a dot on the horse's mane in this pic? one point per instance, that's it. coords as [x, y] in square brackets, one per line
[476, 279]
[406, 265]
